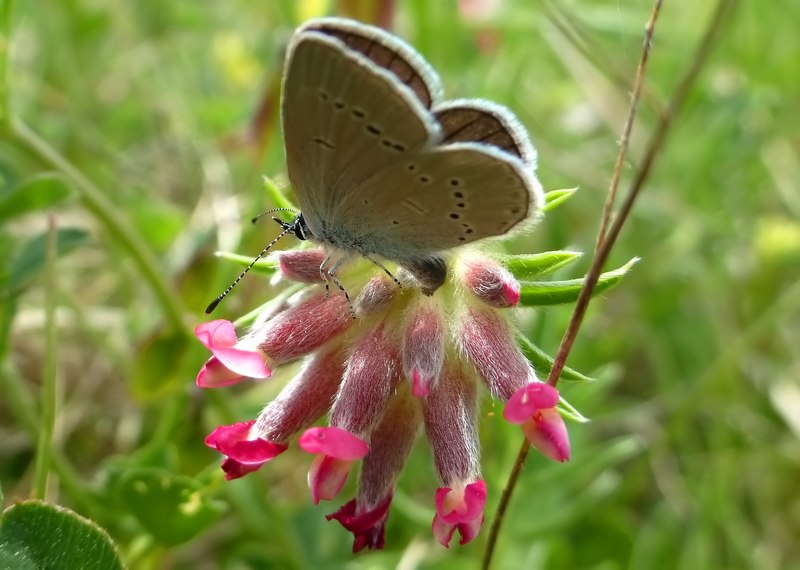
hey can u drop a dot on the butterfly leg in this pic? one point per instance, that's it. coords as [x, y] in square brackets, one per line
[386, 271]
[330, 274]
[323, 274]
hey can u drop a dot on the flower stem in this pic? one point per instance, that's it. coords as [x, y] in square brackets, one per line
[606, 239]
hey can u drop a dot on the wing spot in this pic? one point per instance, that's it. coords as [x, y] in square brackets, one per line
[515, 210]
[386, 143]
[455, 216]
[365, 201]
[357, 113]
[458, 194]
[469, 231]
[395, 223]
[323, 96]
[461, 205]
[373, 130]
[424, 179]
[462, 238]
[411, 167]
[398, 147]
[323, 142]
[455, 182]
[339, 105]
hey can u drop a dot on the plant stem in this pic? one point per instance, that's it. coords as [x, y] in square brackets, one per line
[99, 204]
[606, 240]
[47, 418]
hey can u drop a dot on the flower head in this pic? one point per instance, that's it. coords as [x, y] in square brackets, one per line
[407, 361]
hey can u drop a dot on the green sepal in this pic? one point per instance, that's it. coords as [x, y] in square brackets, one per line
[555, 198]
[525, 267]
[540, 293]
[543, 363]
[276, 195]
[267, 266]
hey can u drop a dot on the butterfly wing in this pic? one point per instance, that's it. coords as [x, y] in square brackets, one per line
[346, 118]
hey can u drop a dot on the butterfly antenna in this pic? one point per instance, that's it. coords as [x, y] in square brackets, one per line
[213, 304]
[262, 214]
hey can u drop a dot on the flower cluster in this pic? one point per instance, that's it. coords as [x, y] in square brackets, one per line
[407, 360]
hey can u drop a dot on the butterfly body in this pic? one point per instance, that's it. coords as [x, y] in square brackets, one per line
[382, 167]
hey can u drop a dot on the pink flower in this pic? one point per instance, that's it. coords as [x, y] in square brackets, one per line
[245, 453]
[336, 450]
[534, 406]
[367, 526]
[407, 361]
[231, 361]
[459, 508]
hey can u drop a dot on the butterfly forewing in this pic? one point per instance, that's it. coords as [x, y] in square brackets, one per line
[345, 120]
[388, 52]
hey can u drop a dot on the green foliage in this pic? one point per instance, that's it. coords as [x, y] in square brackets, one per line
[145, 129]
[37, 536]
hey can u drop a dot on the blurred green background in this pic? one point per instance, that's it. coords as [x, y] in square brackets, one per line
[144, 129]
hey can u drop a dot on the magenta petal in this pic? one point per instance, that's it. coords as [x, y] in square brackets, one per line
[469, 530]
[442, 531]
[248, 363]
[214, 374]
[420, 385]
[367, 527]
[465, 506]
[335, 442]
[525, 401]
[547, 432]
[216, 334]
[234, 441]
[326, 477]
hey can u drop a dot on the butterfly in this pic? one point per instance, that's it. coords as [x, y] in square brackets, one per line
[382, 166]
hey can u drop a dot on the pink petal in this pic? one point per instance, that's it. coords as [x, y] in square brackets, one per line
[335, 442]
[366, 525]
[442, 531]
[469, 530]
[326, 477]
[216, 334]
[420, 385]
[456, 506]
[214, 374]
[547, 432]
[528, 399]
[244, 453]
[302, 265]
[248, 363]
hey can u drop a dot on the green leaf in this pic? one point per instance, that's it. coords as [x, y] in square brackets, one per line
[535, 265]
[265, 266]
[172, 508]
[34, 194]
[31, 259]
[555, 198]
[276, 195]
[543, 363]
[539, 293]
[157, 366]
[38, 536]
